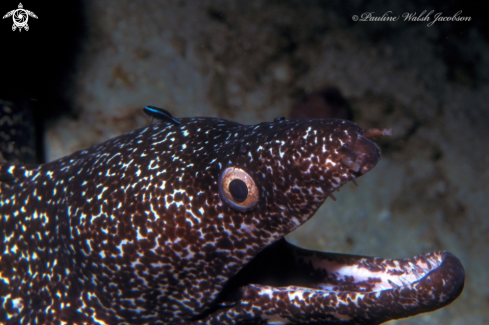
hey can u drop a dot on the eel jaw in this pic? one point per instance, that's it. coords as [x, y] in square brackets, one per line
[286, 284]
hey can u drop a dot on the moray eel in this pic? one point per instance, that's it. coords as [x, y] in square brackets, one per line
[184, 224]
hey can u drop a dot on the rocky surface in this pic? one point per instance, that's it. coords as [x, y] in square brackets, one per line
[251, 61]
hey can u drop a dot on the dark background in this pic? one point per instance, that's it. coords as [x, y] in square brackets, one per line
[38, 66]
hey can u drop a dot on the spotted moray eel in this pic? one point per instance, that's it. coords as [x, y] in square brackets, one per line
[184, 224]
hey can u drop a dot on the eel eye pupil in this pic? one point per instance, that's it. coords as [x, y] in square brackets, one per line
[238, 190]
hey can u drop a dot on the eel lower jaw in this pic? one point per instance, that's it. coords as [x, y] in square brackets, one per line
[289, 284]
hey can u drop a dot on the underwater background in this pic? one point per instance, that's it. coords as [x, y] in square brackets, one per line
[84, 70]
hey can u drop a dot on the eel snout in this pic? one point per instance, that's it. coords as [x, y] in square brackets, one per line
[363, 154]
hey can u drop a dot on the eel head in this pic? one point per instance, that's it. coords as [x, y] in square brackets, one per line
[289, 170]
[181, 223]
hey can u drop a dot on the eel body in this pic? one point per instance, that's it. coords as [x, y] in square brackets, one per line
[184, 224]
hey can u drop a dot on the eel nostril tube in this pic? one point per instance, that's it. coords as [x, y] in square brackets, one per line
[373, 133]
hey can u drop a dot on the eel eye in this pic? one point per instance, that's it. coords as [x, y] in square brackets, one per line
[238, 189]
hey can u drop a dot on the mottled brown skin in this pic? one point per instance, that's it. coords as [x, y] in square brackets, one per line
[135, 231]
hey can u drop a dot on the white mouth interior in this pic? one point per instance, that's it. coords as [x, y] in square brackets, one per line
[389, 274]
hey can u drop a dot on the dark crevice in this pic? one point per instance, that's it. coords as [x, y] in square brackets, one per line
[38, 65]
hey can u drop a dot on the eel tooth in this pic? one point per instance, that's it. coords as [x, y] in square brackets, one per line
[430, 267]
[416, 274]
[393, 285]
[419, 269]
[404, 281]
[435, 262]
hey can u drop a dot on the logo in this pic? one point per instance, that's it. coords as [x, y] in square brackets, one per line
[20, 17]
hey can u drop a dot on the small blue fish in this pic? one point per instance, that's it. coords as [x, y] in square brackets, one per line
[160, 114]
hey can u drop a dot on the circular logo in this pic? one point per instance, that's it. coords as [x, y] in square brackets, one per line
[20, 18]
